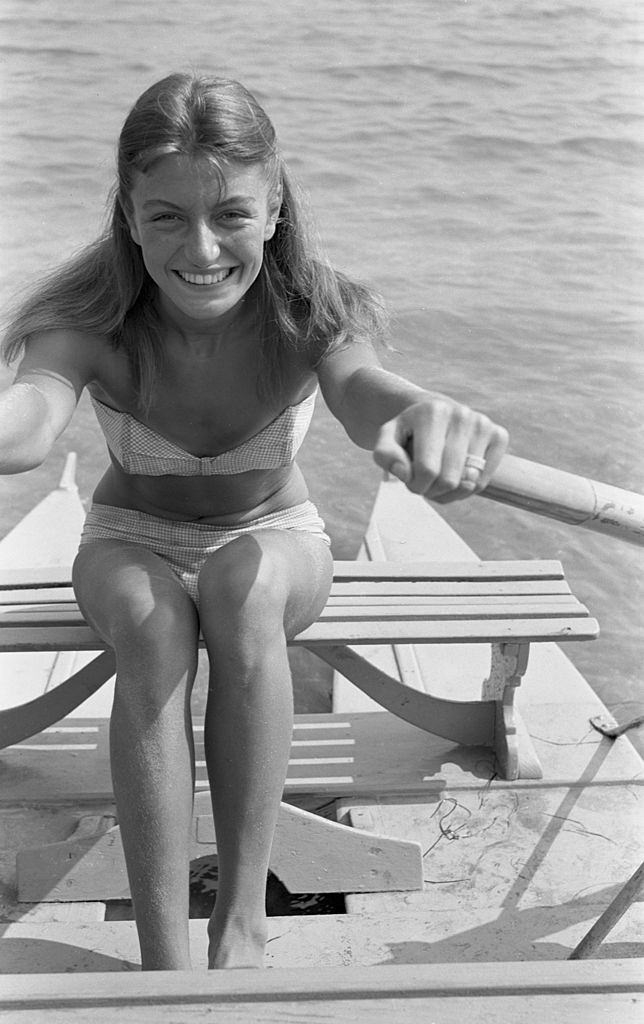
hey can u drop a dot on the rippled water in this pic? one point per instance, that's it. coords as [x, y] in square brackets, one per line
[480, 163]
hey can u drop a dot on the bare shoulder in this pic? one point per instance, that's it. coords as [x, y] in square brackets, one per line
[65, 357]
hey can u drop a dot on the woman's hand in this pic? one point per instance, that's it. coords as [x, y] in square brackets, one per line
[441, 449]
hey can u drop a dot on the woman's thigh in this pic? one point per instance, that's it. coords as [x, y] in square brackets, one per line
[264, 577]
[132, 598]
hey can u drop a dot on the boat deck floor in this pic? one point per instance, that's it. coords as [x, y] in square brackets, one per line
[514, 871]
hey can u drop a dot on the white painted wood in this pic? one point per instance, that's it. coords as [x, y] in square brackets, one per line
[25, 720]
[365, 1009]
[38, 538]
[458, 561]
[310, 854]
[371, 753]
[80, 637]
[468, 722]
[571, 499]
[553, 836]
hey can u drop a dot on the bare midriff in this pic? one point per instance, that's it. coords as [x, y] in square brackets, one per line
[220, 500]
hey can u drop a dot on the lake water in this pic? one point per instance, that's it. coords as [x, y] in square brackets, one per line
[479, 162]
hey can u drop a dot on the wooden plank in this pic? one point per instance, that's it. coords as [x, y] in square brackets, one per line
[464, 631]
[62, 612]
[430, 610]
[82, 638]
[36, 576]
[359, 591]
[452, 588]
[481, 604]
[41, 595]
[433, 609]
[53, 576]
[440, 570]
[567, 1008]
[57, 609]
[336, 959]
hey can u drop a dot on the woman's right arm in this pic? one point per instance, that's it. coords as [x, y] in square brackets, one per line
[39, 404]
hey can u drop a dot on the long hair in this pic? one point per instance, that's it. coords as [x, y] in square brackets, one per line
[304, 304]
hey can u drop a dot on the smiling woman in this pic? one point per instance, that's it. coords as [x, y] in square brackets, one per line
[201, 325]
[202, 245]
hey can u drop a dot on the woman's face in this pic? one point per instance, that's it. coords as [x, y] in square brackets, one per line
[202, 244]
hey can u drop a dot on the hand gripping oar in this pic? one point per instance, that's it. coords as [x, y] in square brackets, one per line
[569, 498]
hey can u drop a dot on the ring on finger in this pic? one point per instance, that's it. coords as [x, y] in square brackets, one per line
[474, 462]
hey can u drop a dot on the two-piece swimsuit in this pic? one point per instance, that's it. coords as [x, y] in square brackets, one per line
[185, 546]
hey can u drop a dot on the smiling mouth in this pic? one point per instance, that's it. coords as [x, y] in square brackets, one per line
[214, 277]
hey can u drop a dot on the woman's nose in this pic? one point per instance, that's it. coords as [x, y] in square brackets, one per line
[202, 246]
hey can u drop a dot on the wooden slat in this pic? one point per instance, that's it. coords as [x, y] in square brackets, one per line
[82, 638]
[54, 576]
[69, 614]
[445, 610]
[497, 570]
[438, 588]
[405, 593]
[451, 631]
[36, 576]
[516, 601]
[354, 590]
[50, 638]
[362, 593]
[133, 991]
[40, 595]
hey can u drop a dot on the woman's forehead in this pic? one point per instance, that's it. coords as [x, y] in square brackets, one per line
[176, 176]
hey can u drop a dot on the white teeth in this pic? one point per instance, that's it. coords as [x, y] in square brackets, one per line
[205, 279]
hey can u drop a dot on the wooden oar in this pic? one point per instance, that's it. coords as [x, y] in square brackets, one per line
[569, 498]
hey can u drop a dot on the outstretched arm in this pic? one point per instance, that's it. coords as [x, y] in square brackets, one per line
[422, 437]
[37, 407]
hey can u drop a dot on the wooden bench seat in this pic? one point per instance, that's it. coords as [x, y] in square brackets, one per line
[506, 604]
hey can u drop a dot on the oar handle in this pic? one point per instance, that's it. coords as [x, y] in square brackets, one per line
[569, 498]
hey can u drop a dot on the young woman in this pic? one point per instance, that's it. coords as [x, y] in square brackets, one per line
[202, 324]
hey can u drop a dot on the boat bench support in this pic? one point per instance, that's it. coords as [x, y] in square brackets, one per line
[507, 605]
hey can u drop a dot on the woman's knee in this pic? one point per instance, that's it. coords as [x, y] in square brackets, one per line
[240, 581]
[142, 613]
[262, 588]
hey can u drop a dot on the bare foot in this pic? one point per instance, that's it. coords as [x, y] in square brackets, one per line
[236, 945]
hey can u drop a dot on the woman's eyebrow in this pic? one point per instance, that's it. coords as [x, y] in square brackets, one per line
[159, 202]
[225, 201]
[244, 200]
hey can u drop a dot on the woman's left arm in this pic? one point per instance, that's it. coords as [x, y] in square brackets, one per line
[438, 447]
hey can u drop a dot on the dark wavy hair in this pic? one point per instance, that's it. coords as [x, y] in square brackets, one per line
[304, 304]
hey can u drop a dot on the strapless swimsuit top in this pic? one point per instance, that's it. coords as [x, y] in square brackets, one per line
[140, 450]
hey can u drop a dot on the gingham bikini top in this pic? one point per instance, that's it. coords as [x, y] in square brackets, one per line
[140, 450]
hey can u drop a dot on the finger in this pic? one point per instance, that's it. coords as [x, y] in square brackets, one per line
[390, 452]
[462, 438]
[485, 451]
[427, 446]
[496, 448]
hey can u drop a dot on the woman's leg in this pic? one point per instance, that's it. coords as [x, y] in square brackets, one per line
[253, 594]
[136, 603]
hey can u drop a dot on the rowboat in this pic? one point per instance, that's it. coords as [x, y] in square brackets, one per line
[515, 872]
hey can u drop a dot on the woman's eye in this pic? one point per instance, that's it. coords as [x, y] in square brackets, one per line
[234, 215]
